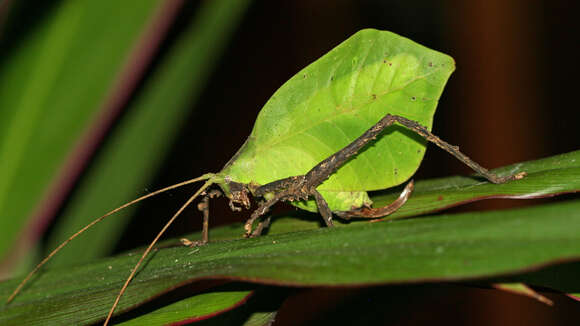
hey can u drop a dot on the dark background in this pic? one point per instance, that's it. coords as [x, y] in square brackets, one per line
[512, 98]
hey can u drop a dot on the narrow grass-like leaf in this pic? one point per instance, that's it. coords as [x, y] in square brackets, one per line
[51, 84]
[232, 304]
[193, 309]
[446, 247]
[143, 137]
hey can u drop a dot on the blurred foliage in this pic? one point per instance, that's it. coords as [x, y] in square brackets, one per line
[59, 68]
[53, 82]
[58, 86]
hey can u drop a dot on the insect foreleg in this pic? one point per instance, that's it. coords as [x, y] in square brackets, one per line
[203, 206]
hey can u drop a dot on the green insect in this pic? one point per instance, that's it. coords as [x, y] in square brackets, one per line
[356, 120]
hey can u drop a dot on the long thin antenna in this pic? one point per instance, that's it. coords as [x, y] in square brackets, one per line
[134, 271]
[45, 260]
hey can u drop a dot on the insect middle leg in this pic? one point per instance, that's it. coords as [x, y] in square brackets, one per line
[288, 194]
[203, 206]
[259, 212]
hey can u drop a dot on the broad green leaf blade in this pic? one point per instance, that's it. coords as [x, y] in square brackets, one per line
[195, 308]
[232, 304]
[546, 177]
[128, 161]
[333, 101]
[446, 247]
[51, 86]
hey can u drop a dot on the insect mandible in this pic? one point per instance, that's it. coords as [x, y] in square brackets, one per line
[356, 120]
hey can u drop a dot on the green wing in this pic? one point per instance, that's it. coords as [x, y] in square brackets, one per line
[334, 100]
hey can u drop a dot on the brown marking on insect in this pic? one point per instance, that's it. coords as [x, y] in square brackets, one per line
[439, 197]
[374, 96]
[239, 195]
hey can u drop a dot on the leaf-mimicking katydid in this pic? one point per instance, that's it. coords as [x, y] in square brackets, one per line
[356, 120]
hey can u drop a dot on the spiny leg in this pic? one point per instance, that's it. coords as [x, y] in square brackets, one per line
[294, 192]
[261, 226]
[453, 150]
[324, 169]
[366, 212]
[291, 188]
[203, 206]
[260, 211]
[321, 172]
[323, 208]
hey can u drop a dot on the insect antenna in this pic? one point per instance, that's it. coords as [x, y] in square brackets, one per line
[64, 243]
[134, 271]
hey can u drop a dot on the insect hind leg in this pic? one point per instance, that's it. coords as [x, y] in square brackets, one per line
[453, 150]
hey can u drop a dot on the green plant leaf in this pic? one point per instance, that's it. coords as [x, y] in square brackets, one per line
[193, 309]
[446, 247]
[55, 77]
[231, 304]
[333, 101]
[134, 151]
